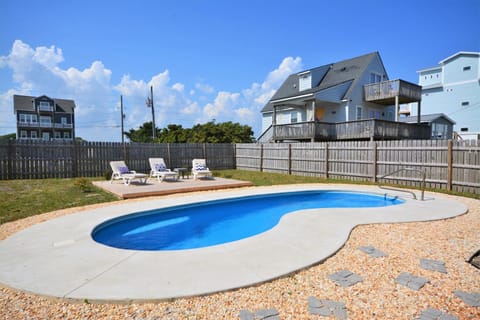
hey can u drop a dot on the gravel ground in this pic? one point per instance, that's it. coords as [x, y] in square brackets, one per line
[378, 296]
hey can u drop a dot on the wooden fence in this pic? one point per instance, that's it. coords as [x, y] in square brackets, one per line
[23, 159]
[448, 165]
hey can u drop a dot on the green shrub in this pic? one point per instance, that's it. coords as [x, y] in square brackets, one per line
[107, 174]
[84, 184]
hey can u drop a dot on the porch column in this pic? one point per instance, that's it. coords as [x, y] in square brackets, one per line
[418, 111]
[397, 108]
[314, 106]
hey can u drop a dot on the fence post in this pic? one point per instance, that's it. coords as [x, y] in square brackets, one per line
[11, 161]
[74, 159]
[261, 157]
[169, 155]
[234, 159]
[326, 160]
[374, 162]
[289, 158]
[449, 165]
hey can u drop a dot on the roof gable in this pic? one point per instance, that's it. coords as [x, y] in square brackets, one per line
[344, 74]
[26, 103]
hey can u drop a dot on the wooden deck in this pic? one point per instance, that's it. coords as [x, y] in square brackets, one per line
[167, 187]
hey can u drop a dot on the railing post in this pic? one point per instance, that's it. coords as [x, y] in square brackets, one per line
[449, 165]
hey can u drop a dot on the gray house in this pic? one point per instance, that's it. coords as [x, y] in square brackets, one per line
[44, 118]
[441, 125]
[348, 100]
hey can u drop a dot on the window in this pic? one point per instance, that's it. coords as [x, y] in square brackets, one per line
[33, 134]
[45, 106]
[465, 103]
[28, 118]
[467, 68]
[46, 135]
[23, 134]
[45, 120]
[66, 135]
[294, 117]
[375, 77]
[63, 120]
[359, 113]
[58, 135]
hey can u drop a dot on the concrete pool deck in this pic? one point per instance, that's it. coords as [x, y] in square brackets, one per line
[58, 258]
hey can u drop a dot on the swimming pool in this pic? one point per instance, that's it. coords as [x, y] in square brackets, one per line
[221, 221]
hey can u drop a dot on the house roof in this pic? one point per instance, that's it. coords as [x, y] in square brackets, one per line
[458, 54]
[448, 59]
[25, 103]
[426, 118]
[342, 75]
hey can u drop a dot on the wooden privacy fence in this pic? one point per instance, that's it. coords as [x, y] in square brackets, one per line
[23, 159]
[450, 165]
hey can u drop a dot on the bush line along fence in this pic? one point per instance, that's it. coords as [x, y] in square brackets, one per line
[449, 165]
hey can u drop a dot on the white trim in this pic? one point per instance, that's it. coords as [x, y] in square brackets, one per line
[293, 98]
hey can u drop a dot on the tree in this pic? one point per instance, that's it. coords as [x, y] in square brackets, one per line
[142, 134]
[210, 132]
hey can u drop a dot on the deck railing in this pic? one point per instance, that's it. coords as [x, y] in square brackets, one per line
[374, 129]
[387, 90]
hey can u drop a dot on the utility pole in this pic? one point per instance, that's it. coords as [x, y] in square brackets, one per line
[150, 105]
[122, 116]
[123, 132]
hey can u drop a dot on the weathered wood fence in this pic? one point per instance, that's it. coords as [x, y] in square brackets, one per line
[448, 165]
[23, 159]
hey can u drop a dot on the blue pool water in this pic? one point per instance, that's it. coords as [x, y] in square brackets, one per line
[214, 222]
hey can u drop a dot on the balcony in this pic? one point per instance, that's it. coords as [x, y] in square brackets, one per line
[386, 92]
[372, 129]
[23, 124]
[63, 125]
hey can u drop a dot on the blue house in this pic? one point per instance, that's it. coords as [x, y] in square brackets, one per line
[453, 88]
[351, 99]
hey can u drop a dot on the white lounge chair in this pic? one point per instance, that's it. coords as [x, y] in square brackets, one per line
[159, 170]
[200, 169]
[120, 171]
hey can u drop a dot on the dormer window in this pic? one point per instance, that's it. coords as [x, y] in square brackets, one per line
[45, 106]
[305, 81]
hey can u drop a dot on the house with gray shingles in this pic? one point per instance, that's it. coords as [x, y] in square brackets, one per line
[44, 118]
[351, 99]
[440, 124]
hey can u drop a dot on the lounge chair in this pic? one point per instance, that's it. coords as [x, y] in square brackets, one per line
[159, 170]
[200, 169]
[120, 171]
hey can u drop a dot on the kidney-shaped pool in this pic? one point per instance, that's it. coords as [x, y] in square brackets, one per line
[220, 221]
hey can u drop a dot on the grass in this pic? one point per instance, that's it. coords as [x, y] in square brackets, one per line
[23, 198]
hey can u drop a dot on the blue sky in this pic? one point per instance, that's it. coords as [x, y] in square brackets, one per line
[207, 60]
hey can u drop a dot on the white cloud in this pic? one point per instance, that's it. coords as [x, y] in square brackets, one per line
[204, 88]
[222, 101]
